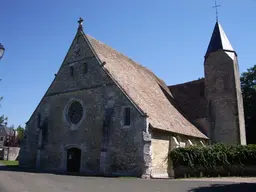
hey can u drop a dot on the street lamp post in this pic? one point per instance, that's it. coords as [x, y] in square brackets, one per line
[1, 51]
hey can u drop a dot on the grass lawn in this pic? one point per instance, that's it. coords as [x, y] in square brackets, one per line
[9, 163]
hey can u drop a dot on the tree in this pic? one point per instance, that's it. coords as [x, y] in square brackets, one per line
[3, 120]
[20, 130]
[248, 85]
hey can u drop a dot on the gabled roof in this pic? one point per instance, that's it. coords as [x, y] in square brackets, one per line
[7, 130]
[219, 41]
[190, 97]
[145, 89]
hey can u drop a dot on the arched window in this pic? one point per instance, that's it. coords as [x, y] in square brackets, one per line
[75, 112]
[71, 70]
[85, 68]
[45, 131]
[127, 116]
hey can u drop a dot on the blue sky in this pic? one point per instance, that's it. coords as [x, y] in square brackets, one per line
[168, 36]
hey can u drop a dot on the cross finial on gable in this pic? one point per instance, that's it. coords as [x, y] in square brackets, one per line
[80, 22]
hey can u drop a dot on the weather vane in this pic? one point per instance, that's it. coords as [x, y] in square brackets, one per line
[216, 7]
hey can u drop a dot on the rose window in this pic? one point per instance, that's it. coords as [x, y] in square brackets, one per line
[75, 112]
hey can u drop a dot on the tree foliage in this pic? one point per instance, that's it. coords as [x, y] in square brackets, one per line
[248, 85]
[3, 120]
[20, 131]
[213, 156]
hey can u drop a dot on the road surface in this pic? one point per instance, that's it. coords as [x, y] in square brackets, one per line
[11, 181]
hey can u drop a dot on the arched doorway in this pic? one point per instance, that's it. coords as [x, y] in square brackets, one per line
[73, 160]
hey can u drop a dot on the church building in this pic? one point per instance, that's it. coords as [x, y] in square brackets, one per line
[105, 114]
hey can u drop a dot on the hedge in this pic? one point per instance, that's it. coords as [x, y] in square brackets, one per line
[214, 156]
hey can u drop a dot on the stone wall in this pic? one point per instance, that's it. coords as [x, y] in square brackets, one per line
[240, 105]
[221, 92]
[162, 143]
[11, 153]
[125, 143]
[2, 142]
[160, 149]
[97, 93]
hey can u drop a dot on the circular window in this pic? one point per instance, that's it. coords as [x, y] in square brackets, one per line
[75, 112]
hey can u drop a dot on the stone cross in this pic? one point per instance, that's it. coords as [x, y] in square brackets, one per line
[80, 22]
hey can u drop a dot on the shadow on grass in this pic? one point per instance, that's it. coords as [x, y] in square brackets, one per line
[238, 187]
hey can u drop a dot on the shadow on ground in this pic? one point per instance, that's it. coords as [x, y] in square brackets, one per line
[238, 187]
[33, 170]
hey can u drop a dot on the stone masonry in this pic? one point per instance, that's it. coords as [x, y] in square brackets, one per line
[105, 114]
[222, 93]
[94, 89]
[215, 103]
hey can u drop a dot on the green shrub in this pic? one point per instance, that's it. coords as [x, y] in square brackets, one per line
[213, 156]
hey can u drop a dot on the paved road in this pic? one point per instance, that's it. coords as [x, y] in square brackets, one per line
[35, 182]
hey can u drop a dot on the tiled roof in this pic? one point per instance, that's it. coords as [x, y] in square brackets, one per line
[7, 130]
[145, 90]
[190, 97]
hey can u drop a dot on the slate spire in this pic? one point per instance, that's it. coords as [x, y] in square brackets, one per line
[219, 41]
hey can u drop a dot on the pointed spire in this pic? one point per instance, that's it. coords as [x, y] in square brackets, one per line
[80, 22]
[219, 41]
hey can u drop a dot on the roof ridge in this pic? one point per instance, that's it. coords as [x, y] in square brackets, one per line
[188, 82]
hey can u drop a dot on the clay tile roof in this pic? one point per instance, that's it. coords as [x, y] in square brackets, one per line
[145, 90]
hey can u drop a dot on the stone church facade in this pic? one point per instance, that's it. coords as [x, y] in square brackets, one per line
[105, 114]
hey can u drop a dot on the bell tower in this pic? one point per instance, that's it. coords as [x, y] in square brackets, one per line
[223, 91]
